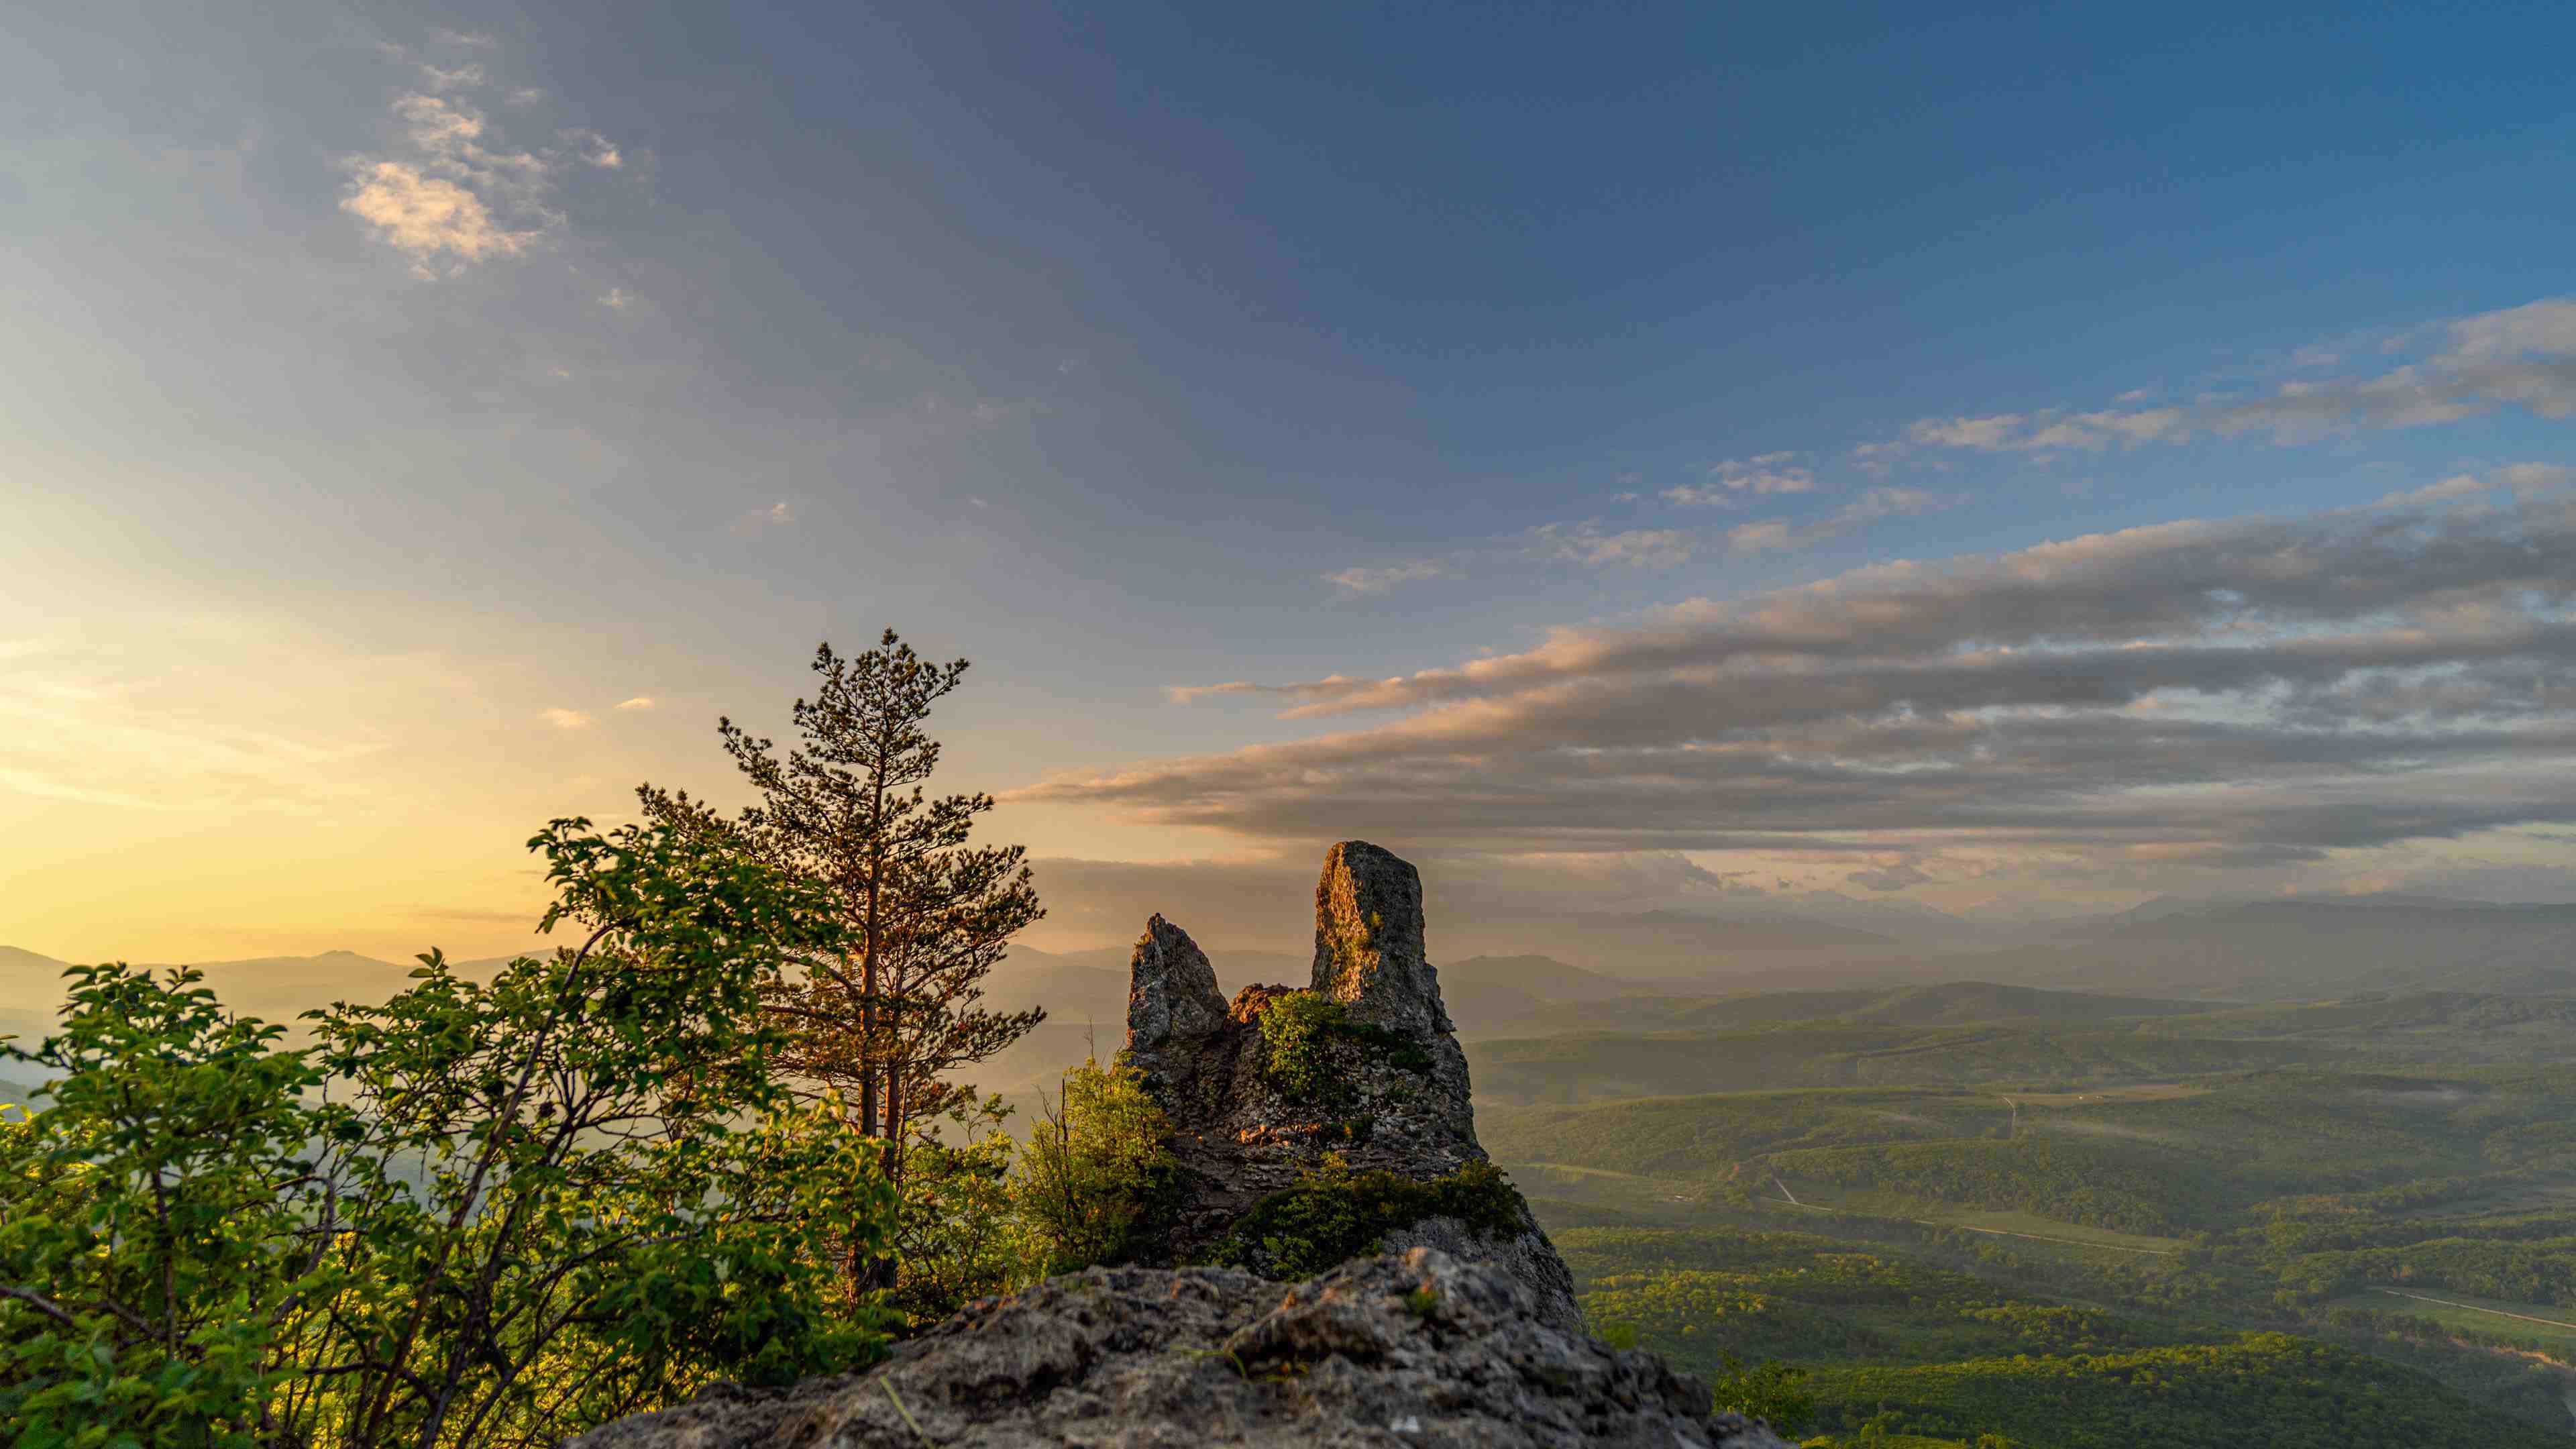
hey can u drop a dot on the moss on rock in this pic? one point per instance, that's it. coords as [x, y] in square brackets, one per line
[1314, 1046]
[1334, 1214]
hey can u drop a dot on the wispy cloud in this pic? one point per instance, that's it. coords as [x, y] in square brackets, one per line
[641, 701]
[445, 200]
[2520, 357]
[1730, 481]
[2206, 693]
[84, 733]
[596, 149]
[1870, 507]
[1591, 543]
[462, 77]
[1377, 580]
[565, 719]
[1646, 548]
[2464, 485]
[447, 193]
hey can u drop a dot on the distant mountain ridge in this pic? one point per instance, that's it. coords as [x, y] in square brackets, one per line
[273, 988]
[1668, 969]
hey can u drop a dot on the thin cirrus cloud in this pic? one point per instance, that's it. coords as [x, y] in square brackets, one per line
[1645, 548]
[1588, 542]
[1359, 580]
[78, 731]
[2257, 691]
[581, 719]
[1585, 542]
[1870, 507]
[447, 193]
[1731, 481]
[461, 78]
[2518, 357]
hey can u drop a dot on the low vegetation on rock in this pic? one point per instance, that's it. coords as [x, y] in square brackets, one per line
[1336, 1213]
[1317, 1052]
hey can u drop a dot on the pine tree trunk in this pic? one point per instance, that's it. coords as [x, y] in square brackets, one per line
[881, 1273]
[875, 1272]
[894, 1126]
[868, 965]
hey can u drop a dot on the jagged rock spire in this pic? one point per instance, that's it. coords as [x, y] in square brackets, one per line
[1171, 989]
[1368, 940]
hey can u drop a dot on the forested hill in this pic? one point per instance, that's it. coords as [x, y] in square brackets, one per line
[1899, 1350]
[2277, 1250]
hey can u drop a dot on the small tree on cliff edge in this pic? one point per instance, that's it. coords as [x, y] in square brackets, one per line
[928, 914]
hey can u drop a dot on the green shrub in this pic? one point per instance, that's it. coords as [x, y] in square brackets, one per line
[1313, 1045]
[1098, 1176]
[1768, 1391]
[1335, 1214]
[523, 1207]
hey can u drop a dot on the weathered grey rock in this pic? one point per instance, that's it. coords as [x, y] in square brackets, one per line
[1526, 1257]
[1171, 992]
[1400, 1100]
[1368, 940]
[1419, 1349]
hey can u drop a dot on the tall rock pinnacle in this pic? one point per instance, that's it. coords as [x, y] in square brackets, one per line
[1171, 993]
[1368, 940]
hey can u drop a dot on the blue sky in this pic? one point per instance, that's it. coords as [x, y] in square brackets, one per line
[396, 391]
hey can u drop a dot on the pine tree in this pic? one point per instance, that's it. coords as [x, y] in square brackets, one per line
[928, 913]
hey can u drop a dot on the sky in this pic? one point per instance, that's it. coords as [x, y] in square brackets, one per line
[2001, 458]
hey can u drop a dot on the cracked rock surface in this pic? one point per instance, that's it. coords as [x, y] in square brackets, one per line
[1417, 1348]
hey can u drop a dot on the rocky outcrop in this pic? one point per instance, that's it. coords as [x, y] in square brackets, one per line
[1462, 1332]
[1363, 1074]
[1418, 1349]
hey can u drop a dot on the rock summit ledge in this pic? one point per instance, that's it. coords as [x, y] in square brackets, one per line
[1402, 1349]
